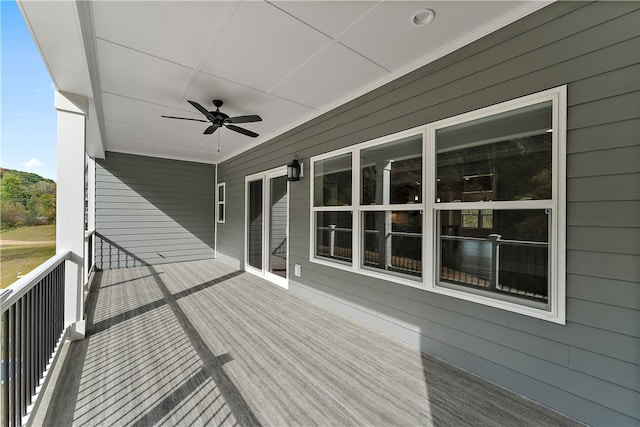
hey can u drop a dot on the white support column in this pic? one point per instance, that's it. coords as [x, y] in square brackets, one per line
[72, 111]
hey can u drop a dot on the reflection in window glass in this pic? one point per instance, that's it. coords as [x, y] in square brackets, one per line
[392, 173]
[393, 241]
[477, 218]
[511, 260]
[334, 235]
[332, 181]
[502, 157]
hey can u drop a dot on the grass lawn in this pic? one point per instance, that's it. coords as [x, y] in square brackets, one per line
[23, 257]
[38, 232]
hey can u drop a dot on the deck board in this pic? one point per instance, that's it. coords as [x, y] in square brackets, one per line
[200, 343]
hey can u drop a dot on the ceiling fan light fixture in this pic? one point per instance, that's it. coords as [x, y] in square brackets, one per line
[219, 119]
[422, 17]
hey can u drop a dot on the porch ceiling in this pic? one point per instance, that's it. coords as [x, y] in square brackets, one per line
[288, 61]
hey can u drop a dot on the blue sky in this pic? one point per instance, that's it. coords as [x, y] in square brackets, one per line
[27, 115]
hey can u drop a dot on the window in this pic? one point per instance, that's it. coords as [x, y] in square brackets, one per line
[220, 202]
[472, 206]
[503, 157]
[391, 206]
[333, 214]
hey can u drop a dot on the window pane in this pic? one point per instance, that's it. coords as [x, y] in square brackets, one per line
[278, 226]
[334, 235]
[255, 224]
[511, 260]
[221, 193]
[502, 157]
[487, 218]
[221, 212]
[393, 241]
[470, 218]
[392, 173]
[332, 181]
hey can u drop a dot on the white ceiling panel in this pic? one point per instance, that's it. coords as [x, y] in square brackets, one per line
[328, 76]
[261, 45]
[206, 88]
[132, 133]
[202, 157]
[185, 134]
[173, 151]
[232, 143]
[330, 17]
[126, 110]
[126, 146]
[278, 113]
[129, 73]
[388, 37]
[152, 27]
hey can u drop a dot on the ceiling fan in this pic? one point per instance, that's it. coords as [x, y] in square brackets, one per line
[219, 119]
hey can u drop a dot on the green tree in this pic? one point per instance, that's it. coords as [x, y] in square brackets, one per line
[24, 197]
[12, 190]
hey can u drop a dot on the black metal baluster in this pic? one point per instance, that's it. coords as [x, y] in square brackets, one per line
[38, 332]
[12, 366]
[32, 343]
[5, 368]
[23, 358]
[49, 324]
[18, 361]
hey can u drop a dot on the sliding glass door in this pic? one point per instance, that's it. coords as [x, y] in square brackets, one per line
[267, 231]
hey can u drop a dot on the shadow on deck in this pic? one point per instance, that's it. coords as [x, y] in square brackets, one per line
[200, 343]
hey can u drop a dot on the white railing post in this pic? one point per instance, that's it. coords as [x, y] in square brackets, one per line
[332, 239]
[495, 259]
[72, 111]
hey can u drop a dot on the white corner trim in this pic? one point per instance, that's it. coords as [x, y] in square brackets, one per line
[71, 102]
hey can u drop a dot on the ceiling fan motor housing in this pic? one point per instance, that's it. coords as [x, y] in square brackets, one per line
[219, 115]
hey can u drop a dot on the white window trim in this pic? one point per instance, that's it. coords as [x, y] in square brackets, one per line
[557, 239]
[219, 202]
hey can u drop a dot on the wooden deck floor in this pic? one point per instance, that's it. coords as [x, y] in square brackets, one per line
[200, 343]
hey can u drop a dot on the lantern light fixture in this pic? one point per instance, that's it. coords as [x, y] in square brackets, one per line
[294, 169]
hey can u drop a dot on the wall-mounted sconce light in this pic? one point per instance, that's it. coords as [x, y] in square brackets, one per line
[293, 169]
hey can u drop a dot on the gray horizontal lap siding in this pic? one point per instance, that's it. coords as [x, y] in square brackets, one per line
[588, 368]
[152, 211]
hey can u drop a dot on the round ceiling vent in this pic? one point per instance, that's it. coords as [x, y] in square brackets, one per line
[422, 17]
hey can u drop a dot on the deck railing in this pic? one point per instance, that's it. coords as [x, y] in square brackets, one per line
[404, 254]
[403, 259]
[32, 331]
[513, 266]
[336, 242]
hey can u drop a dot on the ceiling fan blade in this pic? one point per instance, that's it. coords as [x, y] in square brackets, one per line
[242, 131]
[244, 119]
[185, 118]
[203, 110]
[211, 129]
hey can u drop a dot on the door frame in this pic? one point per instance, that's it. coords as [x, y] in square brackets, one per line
[266, 177]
